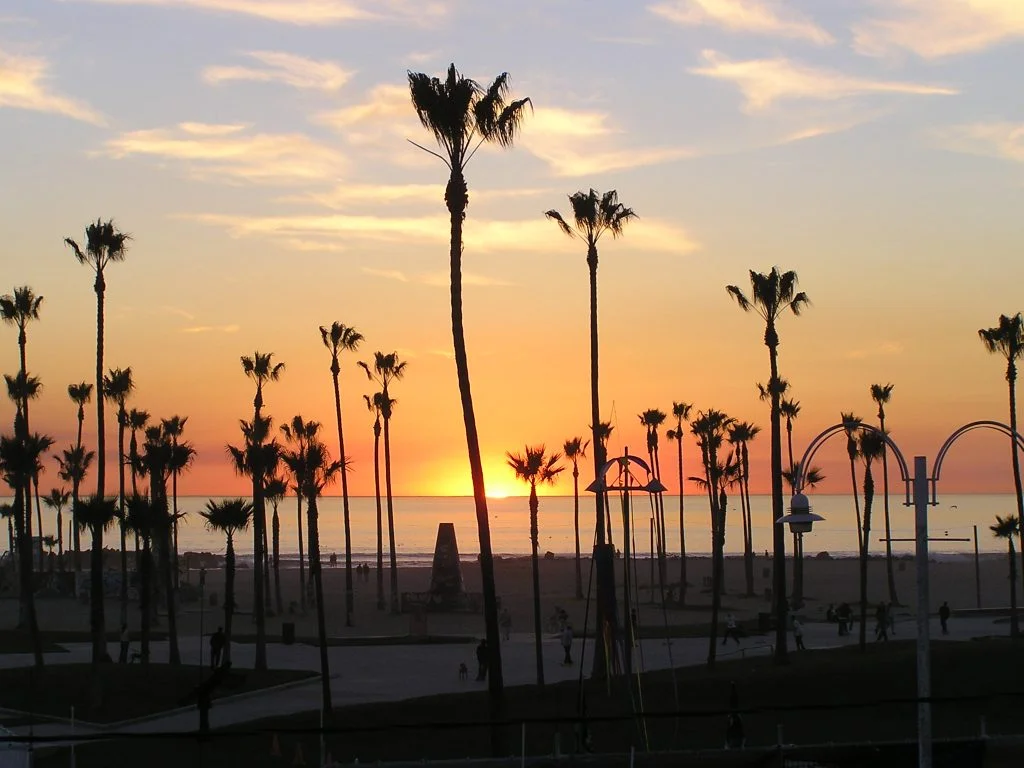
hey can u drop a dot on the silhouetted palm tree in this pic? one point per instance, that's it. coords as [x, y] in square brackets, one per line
[73, 466]
[341, 338]
[299, 433]
[148, 522]
[462, 116]
[1006, 528]
[881, 394]
[651, 419]
[95, 515]
[376, 405]
[388, 368]
[274, 492]
[575, 449]
[851, 425]
[771, 295]
[56, 500]
[103, 245]
[681, 412]
[262, 369]
[183, 453]
[80, 394]
[740, 434]
[20, 390]
[870, 446]
[229, 517]
[790, 410]
[604, 432]
[535, 466]
[1007, 339]
[117, 387]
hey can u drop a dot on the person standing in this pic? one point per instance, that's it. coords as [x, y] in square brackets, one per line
[944, 617]
[731, 630]
[126, 639]
[881, 623]
[481, 660]
[217, 640]
[567, 644]
[505, 622]
[798, 634]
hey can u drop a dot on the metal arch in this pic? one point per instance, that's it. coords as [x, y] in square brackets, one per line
[997, 426]
[623, 462]
[830, 432]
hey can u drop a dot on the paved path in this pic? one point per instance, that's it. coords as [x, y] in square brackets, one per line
[364, 674]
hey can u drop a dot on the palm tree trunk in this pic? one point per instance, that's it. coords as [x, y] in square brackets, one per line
[96, 617]
[318, 586]
[380, 518]
[174, 656]
[716, 576]
[302, 566]
[174, 525]
[60, 539]
[39, 521]
[101, 440]
[395, 605]
[277, 560]
[889, 574]
[748, 541]
[1011, 378]
[259, 521]
[121, 522]
[229, 597]
[534, 546]
[145, 596]
[268, 595]
[869, 495]
[576, 526]
[28, 601]
[457, 198]
[349, 589]
[75, 492]
[1014, 621]
[682, 520]
[778, 510]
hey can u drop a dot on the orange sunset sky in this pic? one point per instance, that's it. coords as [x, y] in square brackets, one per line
[257, 153]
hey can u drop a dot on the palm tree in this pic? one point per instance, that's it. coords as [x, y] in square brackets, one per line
[652, 419]
[299, 433]
[851, 425]
[881, 394]
[575, 449]
[1007, 339]
[870, 445]
[740, 434]
[73, 466]
[229, 517]
[57, 499]
[376, 405]
[147, 521]
[17, 464]
[535, 466]
[771, 295]
[80, 394]
[386, 369]
[103, 245]
[339, 338]
[462, 116]
[274, 492]
[790, 409]
[117, 387]
[1006, 528]
[681, 412]
[261, 369]
[22, 388]
[319, 471]
[96, 514]
[182, 456]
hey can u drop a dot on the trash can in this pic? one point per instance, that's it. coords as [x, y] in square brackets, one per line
[288, 633]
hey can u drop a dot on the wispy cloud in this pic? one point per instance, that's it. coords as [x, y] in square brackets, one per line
[230, 153]
[352, 196]
[1002, 140]
[286, 68]
[211, 329]
[24, 85]
[307, 12]
[763, 82]
[434, 279]
[759, 17]
[936, 28]
[387, 274]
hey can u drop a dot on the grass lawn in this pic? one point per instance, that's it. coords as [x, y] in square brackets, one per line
[843, 696]
[129, 690]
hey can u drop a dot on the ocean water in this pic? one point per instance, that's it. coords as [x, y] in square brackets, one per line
[416, 520]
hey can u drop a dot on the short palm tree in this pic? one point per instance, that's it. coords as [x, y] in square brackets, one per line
[1006, 528]
[1007, 339]
[882, 394]
[852, 426]
[274, 492]
[575, 449]
[137, 420]
[342, 338]
[95, 515]
[117, 387]
[147, 522]
[604, 432]
[229, 517]
[262, 369]
[652, 419]
[299, 433]
[80, 395]
[73, 465]
[183, 453]
[740, 434]
[462, 116]
[870, 447]
[56, 500]
[388, 368]
[534, 466]
[790, 409]
[681, 413]
[771, 295]
[104, 244]
[376, 406]
[20, 390]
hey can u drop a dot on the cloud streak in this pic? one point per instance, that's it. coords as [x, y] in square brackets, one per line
[1003, 140]
[756, 17]
[286, 68]
[24, 85]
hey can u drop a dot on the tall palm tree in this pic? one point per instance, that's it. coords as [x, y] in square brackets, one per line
[575, 449]
[73, 466]
[95, 515]
[299, 433]
[376, 405]
[342, 338]
[17, 464]
[1006, 528]
[117, 387]
[652, 419]
[80, 395]
[56, 500]
[534, 466]
[1007, 339]
[681, 413]
[388, 368]
[790, 409]
[183, 454]
[462, 116]
[870, 447]
[274, 492]
[881, 394]
[229, 517]
[262, 369]
[104, 244]
[770, 296]
[740, 434]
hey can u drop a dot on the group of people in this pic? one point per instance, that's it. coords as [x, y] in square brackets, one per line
[843, 616]
[363, 571]
[565, 637]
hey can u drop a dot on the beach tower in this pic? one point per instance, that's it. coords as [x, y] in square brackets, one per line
[446, 573]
